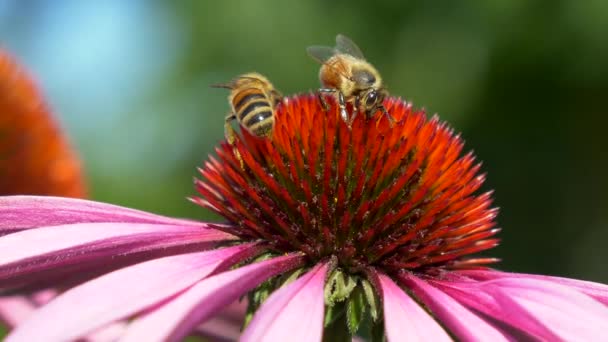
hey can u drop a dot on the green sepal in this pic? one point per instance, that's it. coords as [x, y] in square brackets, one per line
[339, 287]
[256, 298]
[261, 257]
[293, 276]
[371, 298]
[355, 310]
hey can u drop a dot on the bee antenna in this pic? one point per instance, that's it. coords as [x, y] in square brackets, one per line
[222, 85]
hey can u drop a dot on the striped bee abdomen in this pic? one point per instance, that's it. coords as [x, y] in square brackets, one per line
[253, 100]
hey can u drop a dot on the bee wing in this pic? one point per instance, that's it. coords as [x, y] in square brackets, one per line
[222, 85]
[233, 83]
[228, 85]
[321, 53]
[347, 46]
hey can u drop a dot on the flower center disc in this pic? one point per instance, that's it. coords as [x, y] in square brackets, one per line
[395, 197]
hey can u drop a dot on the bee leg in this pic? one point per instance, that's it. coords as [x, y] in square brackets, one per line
[355, 112]
[229, 132]
[322, 100]
[341, 102]
[231, 137]
[391, 120]
[342, 105]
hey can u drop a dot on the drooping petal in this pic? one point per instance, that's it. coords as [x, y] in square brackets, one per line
[174, 320]
[569, 314]
[461, 321]
[473, 297]
[292, 313]
[124, 292]
[43, 255]
[542, 308]
[402, 315]
[595, 290]
[25, 212]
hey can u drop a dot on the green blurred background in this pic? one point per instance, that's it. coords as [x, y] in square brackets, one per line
[526, 82]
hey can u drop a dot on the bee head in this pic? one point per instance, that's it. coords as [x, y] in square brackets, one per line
[371, 100]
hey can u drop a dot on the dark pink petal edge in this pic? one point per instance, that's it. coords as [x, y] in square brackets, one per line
[595, 290]
[403, 315]
[474, 297]
[570, 315]
[24, 212]
[125, 292]
[46, 256]
[293, 312]
[175, 319]
[462, 322]
[537, 305]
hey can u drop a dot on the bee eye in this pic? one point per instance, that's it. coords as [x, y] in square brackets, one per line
[371, 99]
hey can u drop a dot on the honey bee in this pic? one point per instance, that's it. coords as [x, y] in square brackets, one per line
[253, 100]
[350, 78]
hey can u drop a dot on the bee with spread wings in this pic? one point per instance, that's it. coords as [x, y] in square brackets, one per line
[350, 78]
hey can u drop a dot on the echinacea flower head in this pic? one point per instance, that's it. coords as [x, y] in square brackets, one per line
[329, 231]
[35, 157]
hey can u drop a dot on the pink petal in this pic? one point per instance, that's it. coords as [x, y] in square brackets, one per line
[402, 315]
[25, 212]
[44, 255]
[595, 290]
[43, 297]
[110, 332]
[293, 312]
[122, 293]
[15, 309]
[174, 320]
[462, 322]
[472, 296]
[569, 314]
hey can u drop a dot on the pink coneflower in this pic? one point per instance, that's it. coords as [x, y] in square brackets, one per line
[330, 232]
